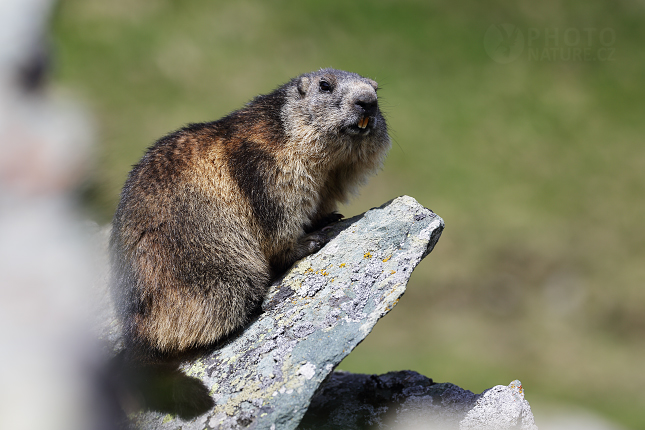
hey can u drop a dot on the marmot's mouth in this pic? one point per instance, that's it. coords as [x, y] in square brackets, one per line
[361, 127]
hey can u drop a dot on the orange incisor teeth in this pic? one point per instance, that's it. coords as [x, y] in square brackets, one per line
[362, 123]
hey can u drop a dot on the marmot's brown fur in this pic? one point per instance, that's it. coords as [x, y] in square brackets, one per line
[214, 211]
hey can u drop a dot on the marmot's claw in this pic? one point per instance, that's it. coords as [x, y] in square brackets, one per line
[333, 217]
[336, 216]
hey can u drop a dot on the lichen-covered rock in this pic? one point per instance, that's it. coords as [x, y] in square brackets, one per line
[312, 318]
[408, 400]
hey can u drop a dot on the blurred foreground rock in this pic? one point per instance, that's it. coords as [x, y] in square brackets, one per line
[408, 400]
[48, 364]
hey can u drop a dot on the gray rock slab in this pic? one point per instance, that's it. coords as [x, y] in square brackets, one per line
[312, 318]
[408, 400]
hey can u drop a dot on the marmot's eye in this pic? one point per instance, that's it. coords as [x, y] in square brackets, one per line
[325, 86]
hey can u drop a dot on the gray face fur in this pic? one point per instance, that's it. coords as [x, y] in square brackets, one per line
[334, 107]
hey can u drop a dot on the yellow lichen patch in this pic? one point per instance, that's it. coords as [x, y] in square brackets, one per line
[250, 390]
[342, 265]
[298, 269]
[197, 369]
[367, 255]
[386, 260]
[390, 307]
[168, 418]
[392, 272]
[241, 385]
[214, 389]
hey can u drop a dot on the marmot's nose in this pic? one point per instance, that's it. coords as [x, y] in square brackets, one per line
[366, 104]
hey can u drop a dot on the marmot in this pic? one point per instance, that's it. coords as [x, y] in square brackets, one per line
[214, 211]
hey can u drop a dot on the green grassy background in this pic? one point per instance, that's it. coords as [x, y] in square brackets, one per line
[537, 166]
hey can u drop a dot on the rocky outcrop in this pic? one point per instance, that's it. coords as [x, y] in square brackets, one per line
[312, 318]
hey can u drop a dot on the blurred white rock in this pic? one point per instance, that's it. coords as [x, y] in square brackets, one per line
[46, 261]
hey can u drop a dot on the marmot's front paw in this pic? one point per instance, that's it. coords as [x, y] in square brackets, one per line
[313, 242]
[333, 217]
[325, 221]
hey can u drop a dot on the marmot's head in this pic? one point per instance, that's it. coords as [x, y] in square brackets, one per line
[334, 106]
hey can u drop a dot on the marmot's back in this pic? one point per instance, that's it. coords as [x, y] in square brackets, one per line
[214, 211]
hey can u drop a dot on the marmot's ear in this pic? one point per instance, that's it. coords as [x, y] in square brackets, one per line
[303, 85]
[374, 84]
